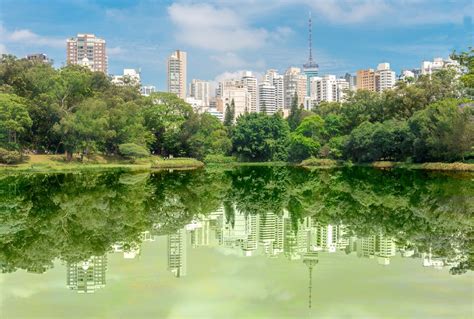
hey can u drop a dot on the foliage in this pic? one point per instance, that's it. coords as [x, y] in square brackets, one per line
[131, 150]
[444, 131]
[302, 147]
[14, 118]
[10, 157]
[259, 137]
[229, 114]
[220, 159]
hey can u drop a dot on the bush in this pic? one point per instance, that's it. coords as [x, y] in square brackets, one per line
[10, 157]
[131, 150]
[219, 158]
[302, 147]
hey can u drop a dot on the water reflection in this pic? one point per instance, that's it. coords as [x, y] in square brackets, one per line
[275, 212]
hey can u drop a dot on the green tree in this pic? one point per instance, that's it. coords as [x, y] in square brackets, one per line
[258, 137]
[14, 118]
[444, 131]
[164, 115]
[229, 115]
[86, 129]
[295, 116]
[302, 147]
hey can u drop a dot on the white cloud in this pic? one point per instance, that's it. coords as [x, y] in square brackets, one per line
[29, 38]
[217, 28]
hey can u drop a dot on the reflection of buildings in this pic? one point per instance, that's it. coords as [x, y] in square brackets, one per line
[177, 245]
[87, 276]
[378, 246]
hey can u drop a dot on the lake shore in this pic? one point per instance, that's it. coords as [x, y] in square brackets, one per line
[57, 163]
[435, 166]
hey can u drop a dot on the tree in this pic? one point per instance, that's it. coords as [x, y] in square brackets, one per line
[444, 131]
[302, 147]
[208, 137]
[86, 129]
[263, 108]
[258, 137]
[466, 61]
[14, 118]
[229, 115]
[164, 115]
[294, 118]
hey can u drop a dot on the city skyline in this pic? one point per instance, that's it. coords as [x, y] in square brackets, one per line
[217, 50]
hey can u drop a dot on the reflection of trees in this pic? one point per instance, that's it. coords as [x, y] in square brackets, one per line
[75, 216]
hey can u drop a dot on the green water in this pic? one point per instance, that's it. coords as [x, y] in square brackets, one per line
[252, 242]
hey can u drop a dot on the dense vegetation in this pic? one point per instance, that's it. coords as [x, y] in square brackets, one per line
[74, 216]
[75, 111]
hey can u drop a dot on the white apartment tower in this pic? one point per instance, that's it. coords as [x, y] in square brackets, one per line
[234, 90]
[384, 77]
[250, 82]
[328, 89]
[267, 97]
[277, 80]
[177, 73]
[87, 50]
[199, 90]
[129, 77]
[294, 83]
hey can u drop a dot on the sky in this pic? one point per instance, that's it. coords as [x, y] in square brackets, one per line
[225, 37]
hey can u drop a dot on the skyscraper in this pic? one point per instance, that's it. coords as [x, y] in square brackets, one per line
[199, 90]
[250, 82]
[294, 83]
[366, 80]
[177, 73]
[277, 81]
[310, 68]
[87, 50]
[266, 98]
[384, 77]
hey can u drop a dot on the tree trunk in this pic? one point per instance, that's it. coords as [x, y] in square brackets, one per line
[68, 156]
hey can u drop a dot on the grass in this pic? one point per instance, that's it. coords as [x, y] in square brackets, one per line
[58, 163]
[328, 163]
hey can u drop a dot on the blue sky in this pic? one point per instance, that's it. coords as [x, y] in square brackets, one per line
[223, 37]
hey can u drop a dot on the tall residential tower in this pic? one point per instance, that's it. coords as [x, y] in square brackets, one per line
[87, 50]
[177, 73]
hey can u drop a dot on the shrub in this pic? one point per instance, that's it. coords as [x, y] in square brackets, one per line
[131, 150]
[10, 157]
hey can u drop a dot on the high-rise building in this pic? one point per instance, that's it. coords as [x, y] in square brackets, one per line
[277, 80]
[328, 89]
[294, 83]
[310, 68]
[177, 73]
[233, 90]
[351, 80]
[267, 98]
[199, 90]
[39, 57]
[366, 80]
[87, 276]
[250, 82]
[129, 77]
[384, 77]
[177, 253]
[87, 50]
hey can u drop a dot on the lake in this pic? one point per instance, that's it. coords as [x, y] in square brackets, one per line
[248, 242]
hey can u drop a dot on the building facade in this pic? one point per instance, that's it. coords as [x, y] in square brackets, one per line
[87, 50]
[176, 75]
[384, 77]
[250, 82]
[200, 90]
[267, 98]
[366, 80]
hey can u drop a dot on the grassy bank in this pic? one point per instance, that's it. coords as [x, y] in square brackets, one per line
[58, 163]
[327, 163]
